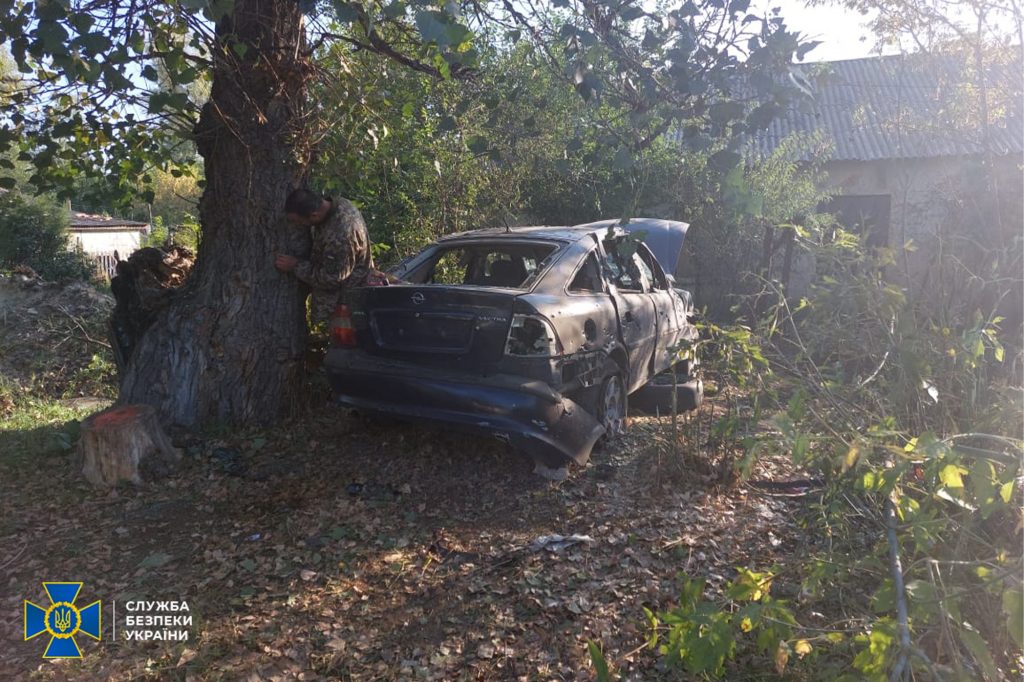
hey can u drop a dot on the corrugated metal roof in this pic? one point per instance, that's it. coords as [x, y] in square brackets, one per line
[900, 107]
[89, 222]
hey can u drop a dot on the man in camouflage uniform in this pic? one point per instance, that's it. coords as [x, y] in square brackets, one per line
[341, 249]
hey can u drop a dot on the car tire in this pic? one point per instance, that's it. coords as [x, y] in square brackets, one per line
[613, 406]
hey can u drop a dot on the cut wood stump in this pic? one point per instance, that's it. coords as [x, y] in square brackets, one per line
[125, 443]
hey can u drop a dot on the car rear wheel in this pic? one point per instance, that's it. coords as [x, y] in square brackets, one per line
[612, 405]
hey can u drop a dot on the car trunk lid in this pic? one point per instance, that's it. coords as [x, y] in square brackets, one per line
[433, 322]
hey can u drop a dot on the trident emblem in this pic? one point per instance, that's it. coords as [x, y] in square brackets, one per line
[62, 620]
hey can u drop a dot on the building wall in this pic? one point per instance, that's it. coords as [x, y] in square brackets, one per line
[926, 195]
[935, 210]
[104, 243]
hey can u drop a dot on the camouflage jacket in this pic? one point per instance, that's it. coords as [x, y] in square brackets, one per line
[340, 257]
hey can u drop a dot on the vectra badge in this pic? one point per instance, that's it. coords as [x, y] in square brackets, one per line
[417, 298]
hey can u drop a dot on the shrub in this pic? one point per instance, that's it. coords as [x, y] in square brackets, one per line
[33, 232]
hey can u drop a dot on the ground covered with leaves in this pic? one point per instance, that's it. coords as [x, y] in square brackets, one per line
[337, 547]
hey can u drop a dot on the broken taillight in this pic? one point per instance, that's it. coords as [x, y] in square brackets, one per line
[342, 331]
[531, 335]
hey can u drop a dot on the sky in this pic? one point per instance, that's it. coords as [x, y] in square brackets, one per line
[841, 30]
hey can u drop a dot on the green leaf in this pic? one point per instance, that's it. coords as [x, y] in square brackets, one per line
[82, 21]
[339, 532]
[885, 598]
[723, 161]
[652, 624]
[623, 159]
[921, 591]
[477, 144]
[723, 112]
[980, 652]
[801, 446]
[983, 480]
[52, 36]
[951, 476]
[247, 564]
[94, 43]
[346, 12]
[447, 125]
[1013, 609]
[394, 10]
[437, 27]
[597, 658]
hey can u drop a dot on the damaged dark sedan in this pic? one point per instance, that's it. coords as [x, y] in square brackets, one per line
[534, 335]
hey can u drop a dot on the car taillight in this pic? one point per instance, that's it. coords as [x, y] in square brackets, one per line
[342, 331]
[531, 335]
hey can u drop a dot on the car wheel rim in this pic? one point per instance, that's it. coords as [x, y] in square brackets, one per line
[613, 407]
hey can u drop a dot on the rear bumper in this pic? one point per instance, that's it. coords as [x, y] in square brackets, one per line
[528, 414]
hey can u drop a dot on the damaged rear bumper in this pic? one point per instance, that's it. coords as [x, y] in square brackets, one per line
[528, 414]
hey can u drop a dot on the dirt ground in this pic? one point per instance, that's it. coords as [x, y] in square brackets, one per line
[337, 547]
[340, 548]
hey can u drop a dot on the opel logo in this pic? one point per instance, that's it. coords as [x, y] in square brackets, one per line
[417, 298]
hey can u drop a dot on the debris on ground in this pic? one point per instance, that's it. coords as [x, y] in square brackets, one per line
[68, 322]
[557, 543]
[369, 553]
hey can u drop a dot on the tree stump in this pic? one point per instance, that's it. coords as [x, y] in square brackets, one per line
[124, 443]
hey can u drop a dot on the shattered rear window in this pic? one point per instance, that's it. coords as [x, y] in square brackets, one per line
[507, 265]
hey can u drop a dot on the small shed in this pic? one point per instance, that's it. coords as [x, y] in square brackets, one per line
[905, 141]
[99, 236]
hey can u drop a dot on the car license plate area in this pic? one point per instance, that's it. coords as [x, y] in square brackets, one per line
[423, 331]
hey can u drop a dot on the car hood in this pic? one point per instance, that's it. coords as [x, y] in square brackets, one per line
[663, 237]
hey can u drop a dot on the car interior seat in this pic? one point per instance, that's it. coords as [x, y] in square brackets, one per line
[507, 273]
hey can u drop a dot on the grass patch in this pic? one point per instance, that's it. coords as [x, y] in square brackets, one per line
[34, 425]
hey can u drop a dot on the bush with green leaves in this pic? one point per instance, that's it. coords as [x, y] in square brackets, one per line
[913, 549]
[33, 232]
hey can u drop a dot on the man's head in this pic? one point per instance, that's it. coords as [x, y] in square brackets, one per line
[304, 207]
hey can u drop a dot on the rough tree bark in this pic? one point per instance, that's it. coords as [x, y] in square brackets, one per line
[230, 346]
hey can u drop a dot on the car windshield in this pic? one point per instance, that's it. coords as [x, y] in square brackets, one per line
[508, 265]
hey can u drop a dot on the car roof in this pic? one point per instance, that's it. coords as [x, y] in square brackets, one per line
[561, 233]
[663, 237]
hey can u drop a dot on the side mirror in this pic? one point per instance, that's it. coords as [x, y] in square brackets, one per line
[671, 280]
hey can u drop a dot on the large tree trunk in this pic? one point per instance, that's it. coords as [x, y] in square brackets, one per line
[229, 348]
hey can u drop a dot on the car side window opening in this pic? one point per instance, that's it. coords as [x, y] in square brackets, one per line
[624, 272]
[651, 269]
[496, 265]
[588, 277]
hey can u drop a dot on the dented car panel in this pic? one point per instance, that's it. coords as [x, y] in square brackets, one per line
[513, 332]
[529, 415]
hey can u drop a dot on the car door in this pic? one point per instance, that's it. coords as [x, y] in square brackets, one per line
[668, 323]
[638, 319]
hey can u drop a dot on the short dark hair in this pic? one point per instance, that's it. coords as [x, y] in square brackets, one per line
[303, 202]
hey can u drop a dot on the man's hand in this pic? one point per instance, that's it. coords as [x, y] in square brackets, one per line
[285, 263]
